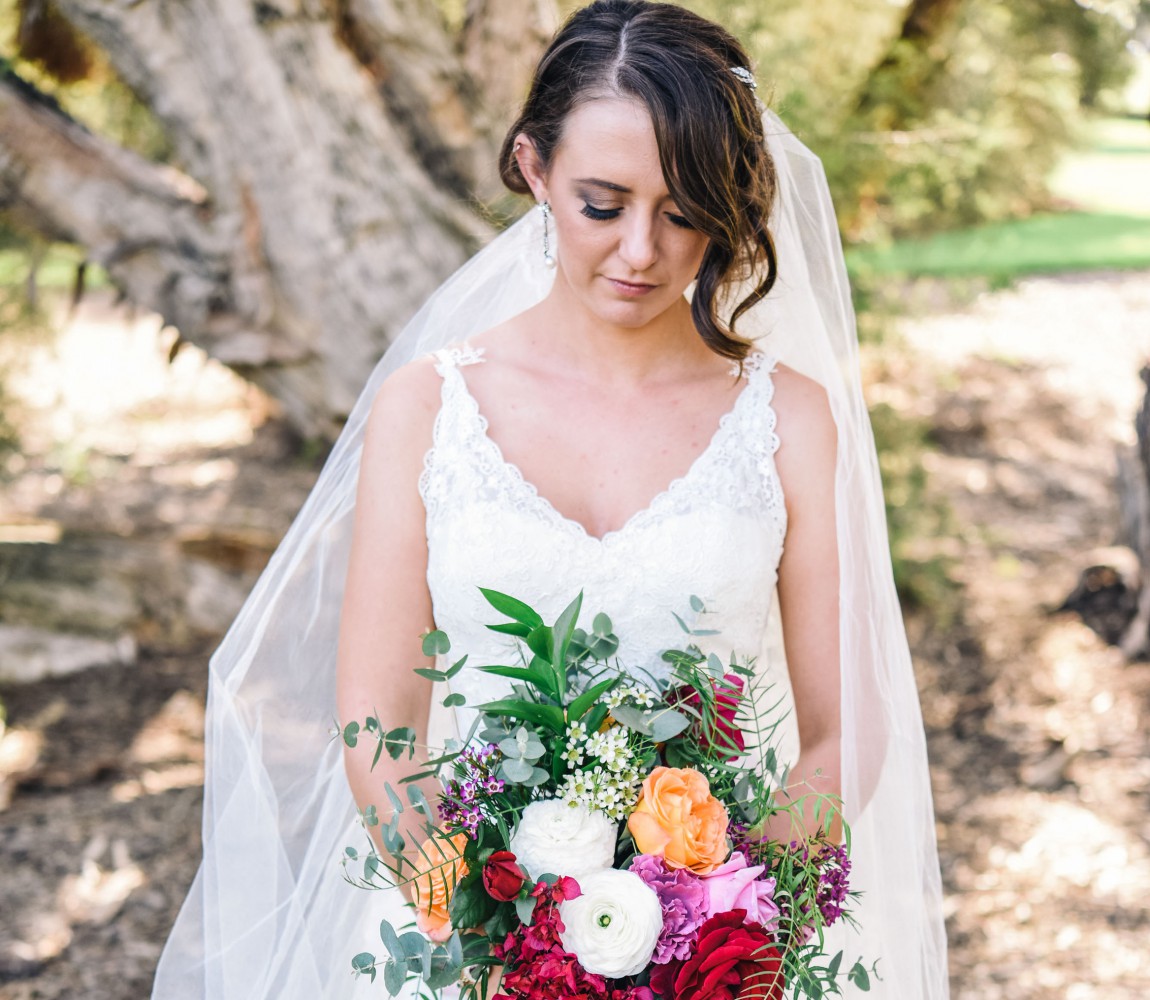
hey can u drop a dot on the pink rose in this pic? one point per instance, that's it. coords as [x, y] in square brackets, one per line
[737, 886]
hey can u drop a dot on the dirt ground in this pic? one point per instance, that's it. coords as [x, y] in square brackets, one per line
[1038, 730]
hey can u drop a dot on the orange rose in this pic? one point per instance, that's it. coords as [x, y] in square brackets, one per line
[439, 867]
[678, 819]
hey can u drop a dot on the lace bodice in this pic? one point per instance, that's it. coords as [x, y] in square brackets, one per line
[715, 532]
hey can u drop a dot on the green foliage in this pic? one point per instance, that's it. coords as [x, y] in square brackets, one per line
[964, 132]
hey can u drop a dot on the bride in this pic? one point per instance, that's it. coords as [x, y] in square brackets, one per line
[646, 390]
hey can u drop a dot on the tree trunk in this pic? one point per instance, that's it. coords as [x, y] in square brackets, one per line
[330, 155]
[899, 84]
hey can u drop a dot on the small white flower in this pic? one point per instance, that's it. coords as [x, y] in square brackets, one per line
[560, 838]
[613, 927]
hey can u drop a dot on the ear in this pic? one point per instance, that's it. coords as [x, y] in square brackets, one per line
[531, 166]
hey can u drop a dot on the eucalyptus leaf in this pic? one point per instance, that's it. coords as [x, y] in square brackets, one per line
[633, 718]
[537, 777]
[431, 674]
[364, 964]
[456, 666]
[859, 976]
[516, 771]
[351, 852]
[436, 643]
[351, 734]
[390, 939]
[605, 646]
[697, 604]
[396, 801]
[833, 965]
[418, 800]
[412, 943]
[372, 866]
[667, 724]
[394, 976]
[715, 666]
[455, 949]
[454, 700]
[601, 624]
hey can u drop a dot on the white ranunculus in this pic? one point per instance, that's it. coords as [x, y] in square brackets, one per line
[614, 926]
[556, 838]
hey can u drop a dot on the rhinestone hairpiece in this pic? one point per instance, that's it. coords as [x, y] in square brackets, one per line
[745, 75]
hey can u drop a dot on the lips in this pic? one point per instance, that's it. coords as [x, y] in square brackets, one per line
[631, 289]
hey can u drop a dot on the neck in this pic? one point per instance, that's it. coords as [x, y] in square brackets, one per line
[618, 356]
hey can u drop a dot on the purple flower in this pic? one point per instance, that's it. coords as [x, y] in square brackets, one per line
[834, 881]
[683, 899]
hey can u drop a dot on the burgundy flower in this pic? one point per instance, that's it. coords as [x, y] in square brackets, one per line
[501, 876]
[721, 732]
[731, 959]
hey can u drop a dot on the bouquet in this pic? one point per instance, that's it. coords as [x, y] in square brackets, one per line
[598, 835]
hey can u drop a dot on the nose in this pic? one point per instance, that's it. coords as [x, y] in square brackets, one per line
[637, 247]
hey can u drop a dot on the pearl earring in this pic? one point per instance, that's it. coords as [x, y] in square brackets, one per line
[548, 256]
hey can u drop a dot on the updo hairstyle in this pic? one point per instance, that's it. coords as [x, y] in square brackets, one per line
[708, 126]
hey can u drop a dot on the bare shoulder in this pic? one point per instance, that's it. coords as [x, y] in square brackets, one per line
[808, 440]
[802, 407]
[405, 406]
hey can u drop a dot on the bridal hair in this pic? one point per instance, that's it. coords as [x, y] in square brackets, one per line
[708, 126]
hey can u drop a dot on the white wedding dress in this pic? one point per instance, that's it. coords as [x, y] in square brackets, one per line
[716, 533]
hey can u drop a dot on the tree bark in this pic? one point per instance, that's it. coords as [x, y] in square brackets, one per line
[502, 40]
[330, 156]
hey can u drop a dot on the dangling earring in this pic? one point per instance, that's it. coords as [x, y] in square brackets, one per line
[548, 256]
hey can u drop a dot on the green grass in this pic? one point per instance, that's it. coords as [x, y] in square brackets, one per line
[1067, 241]
[1105, 189]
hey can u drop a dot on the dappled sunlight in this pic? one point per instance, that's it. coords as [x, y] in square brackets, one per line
[104, 382]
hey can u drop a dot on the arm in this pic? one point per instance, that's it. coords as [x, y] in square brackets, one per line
[809, 591]
[386, 605]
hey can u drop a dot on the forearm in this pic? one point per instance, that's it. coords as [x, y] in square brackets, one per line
[816, 773]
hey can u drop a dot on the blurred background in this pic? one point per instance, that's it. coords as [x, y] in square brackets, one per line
[213, 217]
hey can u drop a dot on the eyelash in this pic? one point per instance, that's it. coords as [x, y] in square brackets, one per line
[605, 214]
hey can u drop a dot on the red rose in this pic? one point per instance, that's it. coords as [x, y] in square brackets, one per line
[723, 733]
[502, 877]
[731, 959]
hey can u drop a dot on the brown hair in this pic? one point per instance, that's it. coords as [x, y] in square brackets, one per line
[708, 127]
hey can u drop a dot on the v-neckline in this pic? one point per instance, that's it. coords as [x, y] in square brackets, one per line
[570, 524]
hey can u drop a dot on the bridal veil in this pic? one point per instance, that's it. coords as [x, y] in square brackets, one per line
[269, 915]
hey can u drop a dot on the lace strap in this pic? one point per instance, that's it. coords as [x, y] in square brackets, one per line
[456, 356]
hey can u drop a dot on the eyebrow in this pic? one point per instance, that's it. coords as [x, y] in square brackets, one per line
[608, 185]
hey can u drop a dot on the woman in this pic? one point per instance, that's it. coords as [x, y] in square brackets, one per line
[583, 425]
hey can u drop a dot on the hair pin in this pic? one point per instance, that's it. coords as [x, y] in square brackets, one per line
[745, 75]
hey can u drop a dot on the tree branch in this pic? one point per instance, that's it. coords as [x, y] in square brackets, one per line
[151, 227]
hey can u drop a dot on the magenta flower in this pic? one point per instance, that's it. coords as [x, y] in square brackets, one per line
[683, 898]
[737, 886]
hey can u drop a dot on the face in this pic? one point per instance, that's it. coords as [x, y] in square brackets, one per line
[623, 249]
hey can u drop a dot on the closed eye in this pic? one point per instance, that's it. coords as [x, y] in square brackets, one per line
[599, 214]
[604, 214]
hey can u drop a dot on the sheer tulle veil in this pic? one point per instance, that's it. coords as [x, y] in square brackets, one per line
[269, 915]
